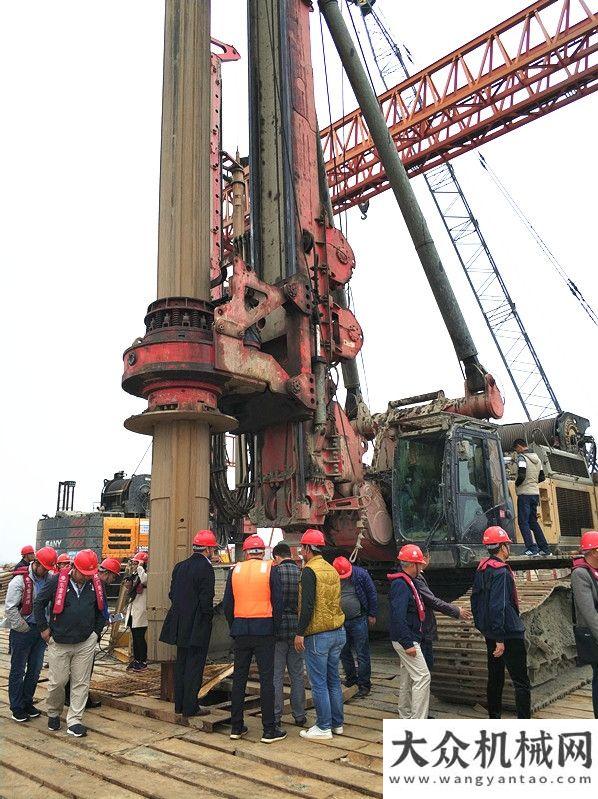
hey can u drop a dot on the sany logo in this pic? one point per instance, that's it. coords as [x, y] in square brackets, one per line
[55, 543]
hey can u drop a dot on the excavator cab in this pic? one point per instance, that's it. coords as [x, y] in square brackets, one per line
[448, 484]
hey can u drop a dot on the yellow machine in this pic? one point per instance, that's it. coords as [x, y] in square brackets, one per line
[123, 537]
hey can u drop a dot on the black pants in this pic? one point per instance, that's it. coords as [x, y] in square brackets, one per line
[139, 644]
[188, 676]
[246, 646]
[427, 648]
[515, 659]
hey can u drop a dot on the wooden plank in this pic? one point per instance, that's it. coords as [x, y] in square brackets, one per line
[17, 786]
[222, 742]
[367, 762]
[164, 711]
[214, 681]
[263, 774]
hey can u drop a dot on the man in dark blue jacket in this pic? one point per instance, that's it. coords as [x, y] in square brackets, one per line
[495, 608]
[407, 614]
[359, 602]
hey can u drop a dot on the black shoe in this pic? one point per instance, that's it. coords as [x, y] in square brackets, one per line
[78, 730]
[131, 665]
[54, 723]
[363, 691]
[238, 732]
[32, 711]
[20, 715]
[271, 736]
[301, 722]
[92, 704]
[432, 717]
[349, 683]
[201, 711]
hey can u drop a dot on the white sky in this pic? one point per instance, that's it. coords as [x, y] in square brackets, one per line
[79, 160]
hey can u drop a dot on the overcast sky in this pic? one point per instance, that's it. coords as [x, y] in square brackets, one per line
[80, 148]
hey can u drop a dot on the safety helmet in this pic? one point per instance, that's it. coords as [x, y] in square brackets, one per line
[343, 567]
[139, 557]
[111, 565]
[64, 558]
[253, 543]
[589, 540]
[27, 550]
[410, 553]
[205, 538]
[314, 538]
[494, 536]
[86, 561]
[46, 556]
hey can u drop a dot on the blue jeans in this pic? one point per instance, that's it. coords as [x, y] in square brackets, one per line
[527, 516]
[322, 655]
[26, 661]
[358, 641]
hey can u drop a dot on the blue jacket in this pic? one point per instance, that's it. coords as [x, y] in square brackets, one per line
[493, 602]
[405, 625]
[365, 590]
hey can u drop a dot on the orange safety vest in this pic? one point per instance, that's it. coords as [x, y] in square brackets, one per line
[251, 589]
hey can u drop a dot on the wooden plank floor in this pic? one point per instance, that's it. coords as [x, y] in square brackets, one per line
[130, 754]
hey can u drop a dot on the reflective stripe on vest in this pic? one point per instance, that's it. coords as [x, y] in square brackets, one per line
[251, 589]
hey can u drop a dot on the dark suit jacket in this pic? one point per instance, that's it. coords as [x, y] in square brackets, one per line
[189, 620]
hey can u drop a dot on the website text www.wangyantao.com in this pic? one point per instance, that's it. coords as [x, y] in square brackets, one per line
[486, 781]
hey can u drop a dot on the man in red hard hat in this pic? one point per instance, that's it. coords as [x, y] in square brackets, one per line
[321, 634]
[252, 604]
[584, 582]
[136, 613]
[188, 623]
[495, 608]
[26, 645]
[359, 603]
[27, 557]
[407, 613]
[63, 562]
[75, 603]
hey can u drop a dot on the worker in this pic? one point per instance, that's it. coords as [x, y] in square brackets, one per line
[285, 655]
[433, 604]
[321, 635]
[27, 557]
[495, 607]
[108, 571]
[26, 645]
[407, 613]
[188, 623]
[252, 602]
[529, 475]
[74, 603]
[584, 582]
[136, 612]
[63, 562]
[359, 603]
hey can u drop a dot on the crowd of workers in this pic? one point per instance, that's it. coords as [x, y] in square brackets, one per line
[289, 619]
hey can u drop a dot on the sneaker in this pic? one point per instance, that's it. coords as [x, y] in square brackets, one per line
[546, 553]
[300, 722]
[316, 734]
[20, 715]
[238, 732]
[32, 711]
[138, 666]
[530, 553]
[78, 730]
[92, 704]
[337, 730]
[272, 736]
[131, 665]
[363, 691]
[54, 723]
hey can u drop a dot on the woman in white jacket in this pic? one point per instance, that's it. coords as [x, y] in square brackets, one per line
[136, 613]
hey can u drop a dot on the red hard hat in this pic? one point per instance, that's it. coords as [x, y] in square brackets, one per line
[47, 557]
[495, 535]
[589, 540]
[140, 557]
[64, 558]
[205, 538]
[253, 542]
[410, 553]
[343, 567]
[86, 562]
[313, 538]
[111, 565]
[27, 550]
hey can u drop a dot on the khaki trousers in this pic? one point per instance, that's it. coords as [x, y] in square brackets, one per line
[414, 684]
[74, 662]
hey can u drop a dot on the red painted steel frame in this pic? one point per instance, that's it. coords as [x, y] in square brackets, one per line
[538, 60]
